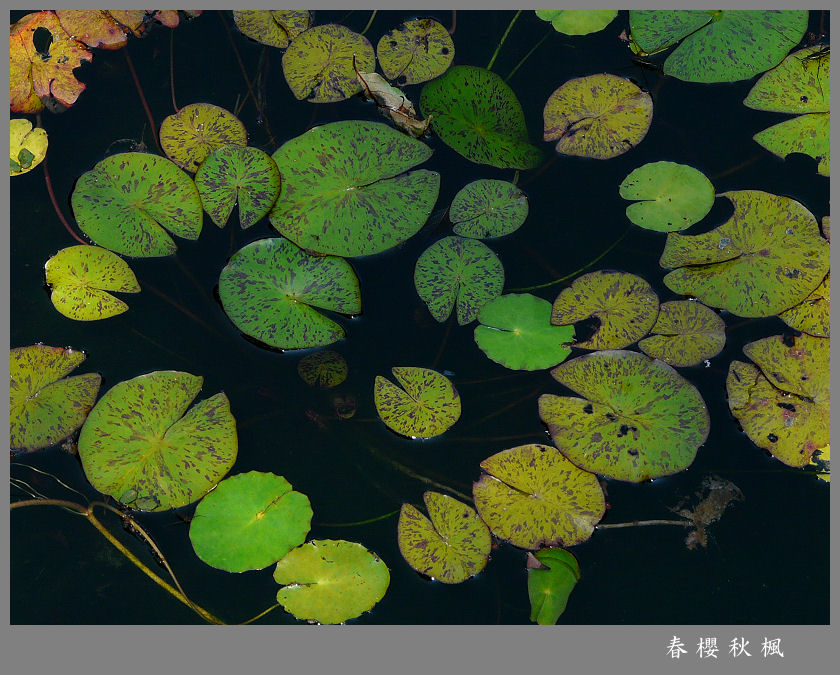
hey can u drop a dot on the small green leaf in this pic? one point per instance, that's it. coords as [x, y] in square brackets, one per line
[577, 21]
[323, 369]
[552, 576]
[488, 208]
[426, 406]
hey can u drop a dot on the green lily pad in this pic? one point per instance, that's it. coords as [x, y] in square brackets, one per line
[27, 146]
[577, 21]
[235, 174]
[808, 134]
[552, 576]
[639, 419]
[685, 333]
[813, 314]
[451, 546]
[426, 406]
[625, 305]
[327, 581]
[323, 369]
[80, 276]
[460, 270]
[516, 332]
[532, 496]
[189, 136]
[44, 405]
[270, 289]
[477, 115]
[320, 65]
[599, 116]
[415, 51]
[488, 208]
[249, 521]
[141, 445]
[766, 258]
[672, 196]
[126, 200]
[272, 27]
[344, 191]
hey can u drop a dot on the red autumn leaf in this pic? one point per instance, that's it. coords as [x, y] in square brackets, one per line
[96, 28]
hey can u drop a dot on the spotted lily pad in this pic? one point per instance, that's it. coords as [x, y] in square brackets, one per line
[270, 289]
[190, 135]
[415, 51]
[625, 305]
[95, 28]
[451, 546]
[328, 581]
[488, 208]
[426, 406]
[80, 277]
[552, 576]
[344, 191]
[766, 258]
[813, 314]
[533, 496]
[44, 405]
[638, 418]
[249, 521]
[128, 201]
[600, 116]
[272, 27]
[325, 369]
[457, 270]
[685, 333]
[141, 445]
[27, 146]
[822, 460]
[577, 21]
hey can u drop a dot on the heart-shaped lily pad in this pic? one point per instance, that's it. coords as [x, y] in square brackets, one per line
[27, 146]
[532, 496]
[249, 521]
[426, 406]
[190, 135]
[415, 51]
[344, 191]
[273, 27]
[44, 405]
[451, 546]
[126, 200]
[459, 270]
[766, 258]
[625, 305]
[813, 314]
[685, 333]
[328, 581]
[516, 332]
[552, 576]
[639, 419]
[577, 21]
[270, 289]
[599, 116]
[488, 208]
[141, 445]
[325, 369]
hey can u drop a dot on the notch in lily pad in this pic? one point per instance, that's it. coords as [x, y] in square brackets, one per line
[552, 576]
[685, 334]
[426, 405]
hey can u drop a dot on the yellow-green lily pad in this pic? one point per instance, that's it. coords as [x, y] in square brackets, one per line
[813, 314]
[272, 27]
[189, 136]
[324, 369]
[426, 406]
[27, 146]
[685, 333]
[415, 51]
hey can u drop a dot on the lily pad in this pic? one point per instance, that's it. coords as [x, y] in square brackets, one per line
[141, 445]
[672, 196]
[552, 576]
[190, 135]
[249, 521]
[577, 22]
[272, 27]
[126, 200]
[323, 369]
[516, 332]
[685, 333]
[599, 116]
[532, 496]
[813, 314]
[488, 208]
[766, 258]
[80, 276]
[95, 28]
[477, 115]
[808, 134]
[270, 289]
[457, 270]
[625, 305]
[638, 418]
[344, 191]
[328, 581]
[27, 146]
[426, 406]
[415, 51]
[822, 460]
[238, 175]
[44, 405]
[451, 546]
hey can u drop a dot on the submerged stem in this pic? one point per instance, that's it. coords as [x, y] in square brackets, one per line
[641, 523]
[525, 58]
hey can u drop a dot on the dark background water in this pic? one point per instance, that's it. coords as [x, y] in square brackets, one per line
[767, 560]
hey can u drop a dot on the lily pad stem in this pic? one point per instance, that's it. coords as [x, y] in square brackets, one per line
[260, 615]
[368, 521]
[525, 58]
[641, 523]
[143, 99]
[504, 37]
[370, 21]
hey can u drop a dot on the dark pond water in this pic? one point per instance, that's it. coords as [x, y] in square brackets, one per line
[767, 559]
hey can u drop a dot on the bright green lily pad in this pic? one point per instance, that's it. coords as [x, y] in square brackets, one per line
[189, 136]
[813, 314]
[671, 196]
[516, 332]
[488, 208]
[249, 521]
[270, 289]
[320, 65]
[426, 406]
[272, 27]
[324, 369]
[766, 258]
[808, 134]
[327, 581]
[457, 270]
[415, 51]
[451, 546]
[533, 496]
[344, 191]
[552, 576]
[577, 21]
[477, 115]
[128, 201]
[44, 405]
[685, 333]
[625, 305]
[638, 418]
